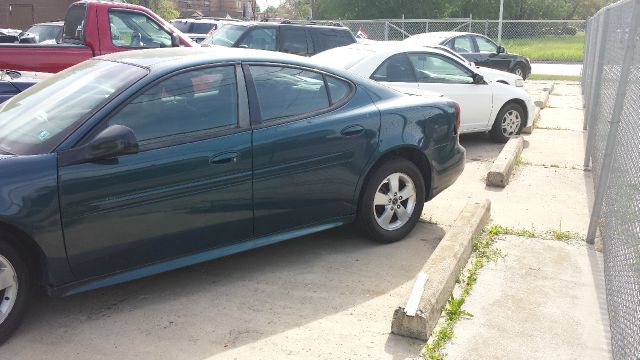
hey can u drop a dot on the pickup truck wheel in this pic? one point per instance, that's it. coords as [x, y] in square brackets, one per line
[508, 123]
[392, 201]
[14, 289]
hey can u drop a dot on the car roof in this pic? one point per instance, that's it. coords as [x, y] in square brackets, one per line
[182, 57]
[346, 57]
[286, 23]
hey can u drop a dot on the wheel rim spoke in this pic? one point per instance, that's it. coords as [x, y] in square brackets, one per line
[385, 218]
[6, 278]
[407, 193]
[381, 199]
[394, 184]
[403, 214]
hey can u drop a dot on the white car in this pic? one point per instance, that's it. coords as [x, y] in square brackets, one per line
[502, 110]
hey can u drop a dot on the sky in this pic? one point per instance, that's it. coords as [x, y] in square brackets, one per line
[265, 3]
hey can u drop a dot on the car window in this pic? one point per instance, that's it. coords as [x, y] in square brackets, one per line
[183, 105]
[338, 89]
[73, 32]
[261, 38]
[202, 27]
[293, 40]
[397, 68]
[485, 45]
[462, 44]
[325, 39]
[136, 30]
[432, 68]
[226, 35]
[286, 92]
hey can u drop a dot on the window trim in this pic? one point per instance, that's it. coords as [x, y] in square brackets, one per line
[242, 123]
[122, 10]
[453, 61]
[254, 105]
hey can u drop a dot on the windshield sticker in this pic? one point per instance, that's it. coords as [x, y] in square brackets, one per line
[43, 135]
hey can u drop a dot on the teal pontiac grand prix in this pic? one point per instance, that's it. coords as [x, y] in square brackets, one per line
[140, 162]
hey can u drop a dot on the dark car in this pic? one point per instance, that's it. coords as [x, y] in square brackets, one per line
[145, 161]
[478, 49]
[43, 33]
[299, 39]
[9, 36]
[13, 82]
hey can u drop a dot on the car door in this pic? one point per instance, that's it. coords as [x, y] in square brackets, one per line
[440, 73]
[487, 54]
[397, 72]
[310, 146]
[187, 189]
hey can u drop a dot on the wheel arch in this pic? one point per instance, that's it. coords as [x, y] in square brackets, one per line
[27, 248]
[410, 153]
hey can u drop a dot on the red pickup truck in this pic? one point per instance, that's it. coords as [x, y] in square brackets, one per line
[93, 28]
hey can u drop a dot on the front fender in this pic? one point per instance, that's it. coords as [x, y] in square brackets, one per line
[29, 203]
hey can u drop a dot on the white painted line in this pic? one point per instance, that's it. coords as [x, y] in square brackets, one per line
[416, 294]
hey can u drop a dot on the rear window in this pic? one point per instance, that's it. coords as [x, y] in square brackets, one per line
[73, 32]
[202, 28]
[324, 39]
[182, 25]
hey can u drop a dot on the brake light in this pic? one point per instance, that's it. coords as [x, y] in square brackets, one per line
[456, 124]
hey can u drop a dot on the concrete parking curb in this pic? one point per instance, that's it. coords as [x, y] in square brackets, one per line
[418, 315]
[545, 97]
[536, 117]
[503, 165]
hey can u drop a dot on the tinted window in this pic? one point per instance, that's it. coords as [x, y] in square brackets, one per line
[261, 38]
[202, 27]
[431, 68]
[397, 68]
[325, 39]
[181, 25]
[485, 45]
[35, 120]
[462, 44]
[284, 92]
[293, 40]
[74, 24]
[227, 35]
[338, 89]
[185, 104]
[136, 30]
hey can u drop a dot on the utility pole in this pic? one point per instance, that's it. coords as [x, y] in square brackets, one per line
[500, 22]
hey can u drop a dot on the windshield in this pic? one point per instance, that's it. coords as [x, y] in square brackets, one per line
[225, 36]
[36, 120]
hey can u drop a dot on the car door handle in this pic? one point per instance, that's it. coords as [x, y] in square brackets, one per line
[352, 130]
[224, 158]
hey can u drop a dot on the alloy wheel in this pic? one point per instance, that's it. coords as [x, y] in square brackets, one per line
[394, 201]
[8, 288]
[511, 121]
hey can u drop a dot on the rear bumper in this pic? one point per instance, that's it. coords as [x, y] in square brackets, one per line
[445, 173]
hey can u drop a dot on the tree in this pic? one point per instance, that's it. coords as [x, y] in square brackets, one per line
[164, 8]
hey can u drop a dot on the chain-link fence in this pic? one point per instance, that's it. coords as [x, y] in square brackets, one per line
[541, 40]
[611, 88]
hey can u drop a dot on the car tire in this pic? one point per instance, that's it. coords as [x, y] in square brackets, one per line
[508, 123]
[384, 214]
[519, 70]
[14, 288]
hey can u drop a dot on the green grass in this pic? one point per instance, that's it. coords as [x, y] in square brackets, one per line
[549, 48]
[554, 77]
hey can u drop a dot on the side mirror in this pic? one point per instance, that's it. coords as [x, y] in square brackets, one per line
[501, 50]
[175, 40]
[113, 141]
[478, 79]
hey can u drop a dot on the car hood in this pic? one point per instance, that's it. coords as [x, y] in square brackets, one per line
[494, 75]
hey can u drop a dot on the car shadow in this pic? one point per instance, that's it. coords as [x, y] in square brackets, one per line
[480, 147]
[207, 309]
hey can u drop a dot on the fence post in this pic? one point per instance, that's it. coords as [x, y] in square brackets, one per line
[386, 30]
[609, 152]
[470, 21]
[500, 22]
[598, 69]
[486, 28]
[426, 26]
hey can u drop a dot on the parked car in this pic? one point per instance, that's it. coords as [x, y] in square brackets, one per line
[13, 82]
[9, 36]
[146, 161]
[478, 49]
[93, 28]
[299, 39]
[43, 33]
[501, 109]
